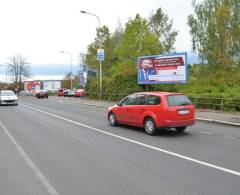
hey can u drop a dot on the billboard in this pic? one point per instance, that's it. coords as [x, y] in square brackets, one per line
[32, 86]
[82, 78]
[51, 85]
[162, 69]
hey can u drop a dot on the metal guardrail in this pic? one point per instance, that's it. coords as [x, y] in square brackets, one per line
[223, 104]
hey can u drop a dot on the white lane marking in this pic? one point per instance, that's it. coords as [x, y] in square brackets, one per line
[140, 143]
[206, 133]
[48, 187]
[230, 137]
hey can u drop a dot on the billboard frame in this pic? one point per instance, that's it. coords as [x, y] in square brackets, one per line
[162, 56]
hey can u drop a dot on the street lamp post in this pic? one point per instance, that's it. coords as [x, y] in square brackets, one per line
[100, 61]
[84, 12]
[70, 54]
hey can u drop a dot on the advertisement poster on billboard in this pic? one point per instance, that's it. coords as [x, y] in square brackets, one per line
[51, 85]
[82, 78]
[162, 69]
[32, 86]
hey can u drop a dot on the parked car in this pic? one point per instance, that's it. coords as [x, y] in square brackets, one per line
[153, 111]
[60, 92]
[65, 92]
[79, 93]
[8, 97]
[27, 93]
[41, 94]
[69, 93]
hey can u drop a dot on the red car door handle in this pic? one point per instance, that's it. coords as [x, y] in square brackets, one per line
[142, 109]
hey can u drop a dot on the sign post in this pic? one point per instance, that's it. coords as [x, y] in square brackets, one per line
[100, 57]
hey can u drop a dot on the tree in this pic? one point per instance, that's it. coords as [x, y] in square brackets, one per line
[110, 47]
[160, 26]
[215, 30]
[124, 46]
[82, 58]
[137, 40]
[19, 69]
[103, 35]
[82, 63]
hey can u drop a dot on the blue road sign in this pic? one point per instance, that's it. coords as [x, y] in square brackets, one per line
[100, 54]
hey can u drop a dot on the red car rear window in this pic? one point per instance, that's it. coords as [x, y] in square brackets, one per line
[178, 100]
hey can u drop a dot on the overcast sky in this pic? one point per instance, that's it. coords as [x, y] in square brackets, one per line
[40, 29]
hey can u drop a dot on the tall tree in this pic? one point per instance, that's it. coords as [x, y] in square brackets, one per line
[161, 26]
[82, 62]
[19, 69]
[124, 46]
[82, 58]
[137, 40]
[111, 45]
[103, 35]
[215, 30]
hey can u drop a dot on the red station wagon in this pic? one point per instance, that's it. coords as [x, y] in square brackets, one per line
[153, 111]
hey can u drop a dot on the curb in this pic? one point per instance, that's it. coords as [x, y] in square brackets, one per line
[199, 119]
[96, 105]
[219, 122]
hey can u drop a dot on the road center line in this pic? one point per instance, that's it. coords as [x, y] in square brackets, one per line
[140, 143]
[206, 133]
[230, 137]
[48, 187]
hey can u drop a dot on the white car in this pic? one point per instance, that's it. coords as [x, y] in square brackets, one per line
[8, 97]
[69, 93]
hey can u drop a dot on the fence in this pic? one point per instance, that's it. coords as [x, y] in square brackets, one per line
[223, 104]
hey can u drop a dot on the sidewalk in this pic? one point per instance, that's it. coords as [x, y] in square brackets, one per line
[201, 115]
[218, 117]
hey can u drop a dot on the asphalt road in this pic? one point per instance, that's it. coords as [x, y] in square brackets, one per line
[51, 146]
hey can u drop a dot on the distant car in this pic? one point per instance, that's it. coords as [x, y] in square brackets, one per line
[8, 97]
[79, 93]
[60, 92]
[153, 111]
[25, 93]
[69, 93]
[65, 92]
[33, 92]
[41, 94]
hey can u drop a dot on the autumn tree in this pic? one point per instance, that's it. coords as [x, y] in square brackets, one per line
[215, 30]
[19, 68]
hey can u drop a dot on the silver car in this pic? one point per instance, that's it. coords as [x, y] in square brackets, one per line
[8, 97]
